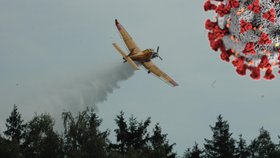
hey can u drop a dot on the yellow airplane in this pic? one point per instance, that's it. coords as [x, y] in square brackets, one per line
[136, 56]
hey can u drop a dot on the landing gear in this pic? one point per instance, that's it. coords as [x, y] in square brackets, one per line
[124, 60]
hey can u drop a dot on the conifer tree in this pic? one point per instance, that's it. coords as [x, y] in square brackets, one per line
[262, 146]
[242, 150]
[134, 141]
[221, 145]
[160, 144]
[195, 152]
[15, 126]
[132, 136]
[121, 134]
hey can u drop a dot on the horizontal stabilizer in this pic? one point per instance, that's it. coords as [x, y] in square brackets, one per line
[127, 58]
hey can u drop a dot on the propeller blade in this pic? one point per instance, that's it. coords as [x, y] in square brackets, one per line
[158, 53]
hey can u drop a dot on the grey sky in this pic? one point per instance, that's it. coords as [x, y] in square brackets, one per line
[49, 47]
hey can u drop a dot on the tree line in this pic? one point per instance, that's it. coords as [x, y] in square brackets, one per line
[222, 145]
[82, 138]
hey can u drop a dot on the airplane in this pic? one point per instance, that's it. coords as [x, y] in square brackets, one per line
[138, 57]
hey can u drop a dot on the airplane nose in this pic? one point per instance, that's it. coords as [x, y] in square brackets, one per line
[116, 22]
[119, 26]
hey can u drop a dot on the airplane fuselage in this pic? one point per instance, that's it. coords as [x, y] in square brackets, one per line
[143, 56]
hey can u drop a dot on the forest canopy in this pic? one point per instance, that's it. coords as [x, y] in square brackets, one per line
[82, 138]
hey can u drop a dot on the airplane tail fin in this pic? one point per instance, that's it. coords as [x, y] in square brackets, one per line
[127, 58]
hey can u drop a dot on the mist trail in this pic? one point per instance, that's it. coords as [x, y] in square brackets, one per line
[68, 91]
[90, 89]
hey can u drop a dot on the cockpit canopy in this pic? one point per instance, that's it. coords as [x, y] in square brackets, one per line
[148, 51]
[152, 52]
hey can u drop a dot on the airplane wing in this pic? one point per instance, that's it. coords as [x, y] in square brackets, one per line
[127, 58]
[151, 67]
[131, 45]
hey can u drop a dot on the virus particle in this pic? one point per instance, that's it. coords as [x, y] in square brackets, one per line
[247, 33]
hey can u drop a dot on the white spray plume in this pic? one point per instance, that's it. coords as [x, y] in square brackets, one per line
[69, 92]
[89, 90]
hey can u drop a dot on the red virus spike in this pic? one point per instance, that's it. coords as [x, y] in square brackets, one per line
[270, 15]
[264, 39]
[215, 45]
[255, 73]
[219, 33]
[211, 36]
[233, 4]
[255, 6]
[225, 54]
[209, 25]
[264, 62]
[240, 65]
[209, 6]
[238, 62]
[222, 10]
[249, 48]
[245, 26]
[241, 70]
[268, 74]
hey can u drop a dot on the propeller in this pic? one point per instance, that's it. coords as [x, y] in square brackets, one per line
[158, 54]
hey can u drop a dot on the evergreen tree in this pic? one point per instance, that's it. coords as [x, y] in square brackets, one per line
[133, 140]
[15, 126]
[83, 139]
[40, 140]
[15, 132]
[221, 145]
[242, 150]
[121, 134]
[160, 145]
[195, 152]
[262, 146]
[132, 137]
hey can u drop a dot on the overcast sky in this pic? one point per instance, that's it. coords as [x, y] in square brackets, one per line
[53, 53]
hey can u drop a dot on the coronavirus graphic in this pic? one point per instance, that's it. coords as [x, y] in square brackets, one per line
[247, 33]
